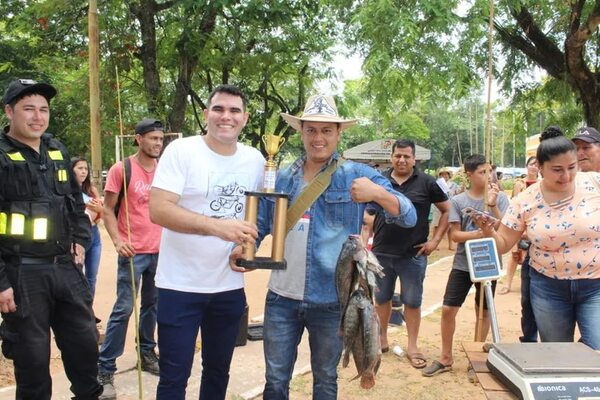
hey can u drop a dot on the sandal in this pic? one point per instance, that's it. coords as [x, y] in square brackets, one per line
[417, 360]
[504, 290]
[435, 368]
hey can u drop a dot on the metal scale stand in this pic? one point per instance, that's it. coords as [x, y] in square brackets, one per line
[540, 371]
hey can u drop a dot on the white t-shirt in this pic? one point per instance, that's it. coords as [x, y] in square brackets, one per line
[209, 184]
[290, 283]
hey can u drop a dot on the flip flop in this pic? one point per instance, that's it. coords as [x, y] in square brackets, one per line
[504, 290]
[435, 368]
[414, 359]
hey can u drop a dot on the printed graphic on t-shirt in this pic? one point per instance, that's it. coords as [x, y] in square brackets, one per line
[303, 222]
[143, 190]
[226, 195]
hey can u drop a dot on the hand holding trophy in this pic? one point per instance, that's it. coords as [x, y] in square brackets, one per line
[272, 145]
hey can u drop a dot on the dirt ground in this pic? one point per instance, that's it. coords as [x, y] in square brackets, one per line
[396, 378]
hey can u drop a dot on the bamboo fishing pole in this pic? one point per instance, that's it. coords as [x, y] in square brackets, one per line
[128, 226]
[488, 143]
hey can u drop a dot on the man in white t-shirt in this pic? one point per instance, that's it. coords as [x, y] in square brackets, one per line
[198, 197]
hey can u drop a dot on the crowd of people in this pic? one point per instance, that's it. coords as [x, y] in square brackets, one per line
[179, 230]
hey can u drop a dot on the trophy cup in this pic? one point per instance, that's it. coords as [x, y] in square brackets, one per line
[272, 145]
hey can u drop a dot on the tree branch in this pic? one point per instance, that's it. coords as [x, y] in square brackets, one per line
[584, 79]
[550, 55]
[554, 68]
[575, 17]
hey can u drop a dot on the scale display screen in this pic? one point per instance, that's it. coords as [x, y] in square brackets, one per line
[483, 260]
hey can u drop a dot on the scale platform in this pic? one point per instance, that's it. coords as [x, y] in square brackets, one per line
[547, 371]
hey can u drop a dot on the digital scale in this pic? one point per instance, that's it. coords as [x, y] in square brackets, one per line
[540, 371]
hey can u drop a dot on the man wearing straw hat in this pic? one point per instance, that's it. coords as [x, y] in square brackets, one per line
[304, 295]
[136, 240]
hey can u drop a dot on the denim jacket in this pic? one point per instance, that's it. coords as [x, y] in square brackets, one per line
[334, 216]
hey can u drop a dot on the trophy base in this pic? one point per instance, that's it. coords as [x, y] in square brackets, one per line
[261, 263]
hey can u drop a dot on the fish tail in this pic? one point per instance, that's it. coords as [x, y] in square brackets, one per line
[346, 359]
[367, 381]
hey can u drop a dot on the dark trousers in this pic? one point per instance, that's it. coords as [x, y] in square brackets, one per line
[53, 296]
[528, 325]
[180, 315]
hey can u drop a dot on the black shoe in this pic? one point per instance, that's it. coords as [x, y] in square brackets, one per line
[106, 380]
[150, 363]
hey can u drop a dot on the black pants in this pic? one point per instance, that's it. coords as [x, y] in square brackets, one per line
[51, 296]
[528, 325]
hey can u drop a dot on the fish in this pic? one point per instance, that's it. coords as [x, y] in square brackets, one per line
[369, 268]
[357, 270]
[372, 348]
[345, 269]
[352, 323]
[355, 258]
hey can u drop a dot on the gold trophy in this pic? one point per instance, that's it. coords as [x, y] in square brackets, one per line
[272, 145]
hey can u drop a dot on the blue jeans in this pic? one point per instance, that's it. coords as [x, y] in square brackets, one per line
[528, 325]
[180, 315]
[144, 266]
[558, 304]
[92, 259]
[411, 272]
[285, 321]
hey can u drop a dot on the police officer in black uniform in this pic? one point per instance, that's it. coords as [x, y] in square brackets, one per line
[43, 231]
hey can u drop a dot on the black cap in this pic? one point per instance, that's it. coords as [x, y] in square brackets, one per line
[21, 87]
[587, 134]
[148, 125]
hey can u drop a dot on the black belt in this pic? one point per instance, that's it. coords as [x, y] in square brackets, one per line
[42, 260]
[38, 260]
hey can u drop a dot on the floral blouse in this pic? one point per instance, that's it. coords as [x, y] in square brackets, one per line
[565, 236]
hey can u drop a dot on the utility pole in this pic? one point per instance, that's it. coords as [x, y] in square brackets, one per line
[476, 129]
[94, 61]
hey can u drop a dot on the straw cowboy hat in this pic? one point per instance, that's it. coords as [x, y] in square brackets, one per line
[445, 170]
[319, 108]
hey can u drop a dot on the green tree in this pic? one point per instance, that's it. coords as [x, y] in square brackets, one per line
[437, 48]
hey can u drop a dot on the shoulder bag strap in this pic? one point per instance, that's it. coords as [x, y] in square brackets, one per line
[310, 193]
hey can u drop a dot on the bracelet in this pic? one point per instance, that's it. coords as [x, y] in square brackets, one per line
[491, 205]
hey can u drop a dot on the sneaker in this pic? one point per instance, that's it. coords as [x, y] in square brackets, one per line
[150, 362]
[106, 380]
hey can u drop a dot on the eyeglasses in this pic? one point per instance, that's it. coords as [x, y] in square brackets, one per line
[27, 82]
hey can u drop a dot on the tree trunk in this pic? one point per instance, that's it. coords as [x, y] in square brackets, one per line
[189, 51]
[145, 13]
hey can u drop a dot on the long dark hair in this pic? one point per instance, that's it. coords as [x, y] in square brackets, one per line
[553, 142]
[86, 186]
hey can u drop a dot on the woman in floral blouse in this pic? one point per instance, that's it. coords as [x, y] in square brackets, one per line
[561, 216]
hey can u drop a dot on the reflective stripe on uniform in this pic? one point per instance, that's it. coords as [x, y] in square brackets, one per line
[55, 155]
[61, 175]
[16, 156]
[3, 221]
[17, 224]
[40, 228]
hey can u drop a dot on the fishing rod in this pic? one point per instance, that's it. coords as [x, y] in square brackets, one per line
[128, 227]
